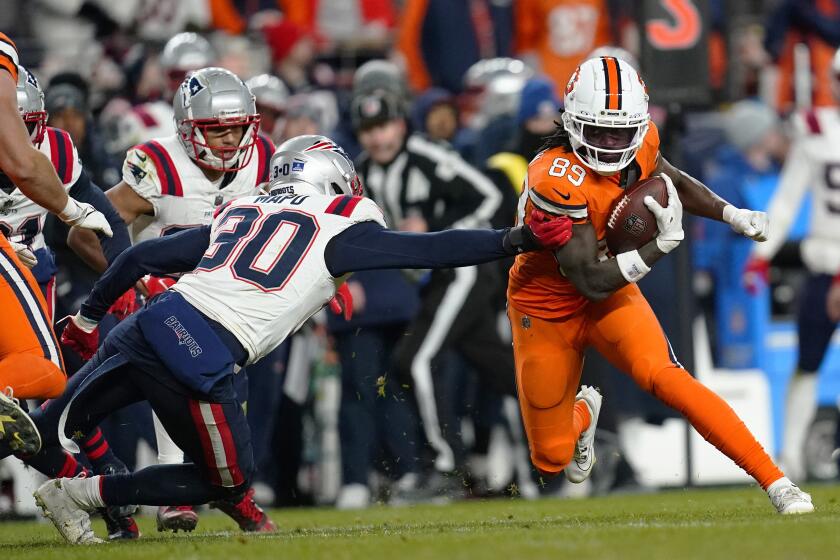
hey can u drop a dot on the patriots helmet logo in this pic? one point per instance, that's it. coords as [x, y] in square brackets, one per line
[30, 77]
[194, 85]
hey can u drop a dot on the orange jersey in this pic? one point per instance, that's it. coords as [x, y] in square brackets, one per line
[8, 56]
[562, 33]
[558, 180]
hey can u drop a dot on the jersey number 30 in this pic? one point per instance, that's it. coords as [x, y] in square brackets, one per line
[261, 249]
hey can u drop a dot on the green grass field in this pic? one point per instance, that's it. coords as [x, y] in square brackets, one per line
[709, 524]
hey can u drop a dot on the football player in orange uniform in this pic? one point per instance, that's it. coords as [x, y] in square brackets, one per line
[562, 303]
[30, 358]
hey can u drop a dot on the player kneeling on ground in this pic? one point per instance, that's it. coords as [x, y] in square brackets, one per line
[253, 277]
[593, 301]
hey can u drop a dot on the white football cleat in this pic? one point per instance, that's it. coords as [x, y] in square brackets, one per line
[581, 466]
[353, 496]
[788, 498]
[71, 520]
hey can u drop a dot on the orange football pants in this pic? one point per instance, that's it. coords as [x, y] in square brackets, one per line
[624, 329]
[30, 357]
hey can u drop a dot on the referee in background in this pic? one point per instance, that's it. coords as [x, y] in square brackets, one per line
[424, 186]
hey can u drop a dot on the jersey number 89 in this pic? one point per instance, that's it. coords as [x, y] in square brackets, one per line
[560, 167]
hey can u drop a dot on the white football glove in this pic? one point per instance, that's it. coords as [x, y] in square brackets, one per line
[749, 223]
[85, 216]
[668, 219]
[26, 256]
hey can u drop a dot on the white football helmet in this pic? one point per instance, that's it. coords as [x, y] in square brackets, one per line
[606, 93]
[317, 161]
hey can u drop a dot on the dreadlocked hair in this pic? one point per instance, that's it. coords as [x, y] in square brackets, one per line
[558, 139]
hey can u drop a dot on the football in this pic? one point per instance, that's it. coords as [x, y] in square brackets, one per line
[631, 224]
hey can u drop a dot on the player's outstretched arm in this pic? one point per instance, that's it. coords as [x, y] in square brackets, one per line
[699, 200]
[97, 251]
[180, 252]
[369, 246]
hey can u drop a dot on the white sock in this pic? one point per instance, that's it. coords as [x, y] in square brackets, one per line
[800, 407]
[168, 452]
[84, 491]
[782, 482]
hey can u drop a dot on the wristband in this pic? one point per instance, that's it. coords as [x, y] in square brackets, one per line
[729, 213]
[85, 324]
[72, 211]
[631, 265]
[518, 240]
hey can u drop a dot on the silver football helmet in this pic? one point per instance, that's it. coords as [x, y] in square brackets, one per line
[216, 98]
[187, 51]
[318, 162]
[30, 100]
[492, 88]
[269, 91]
[184, 53]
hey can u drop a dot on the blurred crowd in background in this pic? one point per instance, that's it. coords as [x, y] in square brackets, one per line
[484, 78]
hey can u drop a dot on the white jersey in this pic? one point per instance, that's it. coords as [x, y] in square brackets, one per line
[264, 272]
[21, 220]
[154, 119]
[182, 196]
[812, 163]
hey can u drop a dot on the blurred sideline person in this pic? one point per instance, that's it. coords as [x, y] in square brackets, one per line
[31, 366]
[272, 97]
[595, 303]
[423, 186]
[811, 165]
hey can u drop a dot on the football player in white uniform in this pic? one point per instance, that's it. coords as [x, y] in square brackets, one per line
[813, 164]
[22, 221]
[177, 182]
[263, 267]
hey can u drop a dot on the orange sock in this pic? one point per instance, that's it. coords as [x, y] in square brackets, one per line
[580, 418]
[715, 420]
[31, 377]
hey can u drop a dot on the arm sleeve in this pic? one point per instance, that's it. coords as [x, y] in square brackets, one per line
[180, 252]
[369, 246]
[796, 176]
[84, 190]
